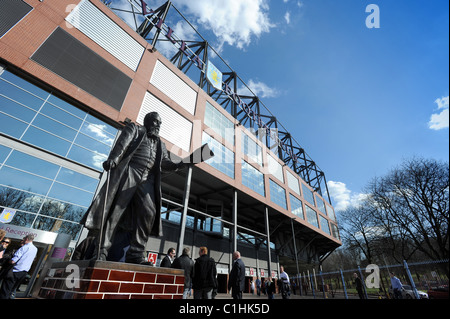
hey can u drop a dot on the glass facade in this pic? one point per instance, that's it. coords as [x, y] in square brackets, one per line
[223, 159]
[311, 216]
[253, 179]
[334, 231]
[324, 225]
[296, 206]
[308, 195]
[219, 123]
[277, 194]
[331, 213]
[43, 195]
[39, 118]
[41, 190]
[252, 149]
[321, 205]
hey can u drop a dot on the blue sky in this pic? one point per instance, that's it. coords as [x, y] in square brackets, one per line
[358, 100]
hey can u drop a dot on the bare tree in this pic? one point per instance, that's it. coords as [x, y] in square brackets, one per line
[412, 205]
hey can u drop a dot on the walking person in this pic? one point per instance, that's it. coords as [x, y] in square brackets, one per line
[22, 262]
[185, 262]
[237, 276]
[284, 283]
[258, 286]
[205, 275]
[396, 286]
[270, 288]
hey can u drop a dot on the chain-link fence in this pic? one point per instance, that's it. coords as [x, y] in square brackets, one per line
[419, 280]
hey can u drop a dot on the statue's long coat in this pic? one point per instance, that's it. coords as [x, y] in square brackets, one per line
[121, 154]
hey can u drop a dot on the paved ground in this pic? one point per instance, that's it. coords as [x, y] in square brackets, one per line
[297, 296]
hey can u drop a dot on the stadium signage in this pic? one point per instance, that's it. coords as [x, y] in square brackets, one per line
[184, 49]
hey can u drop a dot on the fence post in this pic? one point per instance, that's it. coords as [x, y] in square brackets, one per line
[343, 284]
[299, 281]
[363, 282]
[312, 286]
[413, 285]
[323, 285]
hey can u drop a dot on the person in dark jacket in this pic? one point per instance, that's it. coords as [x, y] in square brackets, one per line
[359, 286]
[205, 276]
[168, 260]
[185, 262]
[237, 276]
[134, 191]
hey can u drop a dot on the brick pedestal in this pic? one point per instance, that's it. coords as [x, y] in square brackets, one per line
[110, 280]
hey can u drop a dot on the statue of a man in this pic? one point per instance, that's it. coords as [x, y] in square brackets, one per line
[133, 197]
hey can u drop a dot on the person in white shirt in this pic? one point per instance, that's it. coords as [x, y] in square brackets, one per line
[284, 283]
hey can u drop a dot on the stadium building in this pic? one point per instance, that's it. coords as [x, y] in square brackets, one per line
[73, 72]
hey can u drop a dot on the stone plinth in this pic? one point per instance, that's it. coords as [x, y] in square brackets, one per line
[110, 280]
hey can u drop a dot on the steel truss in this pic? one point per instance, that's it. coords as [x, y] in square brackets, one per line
[192, 58]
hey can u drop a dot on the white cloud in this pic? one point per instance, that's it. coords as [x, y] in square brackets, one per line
[343, 198]
[287, 17]
[235, 22]
[440, 121]
[260, 89]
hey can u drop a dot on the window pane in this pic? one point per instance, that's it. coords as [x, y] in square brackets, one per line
[24, 85]
[24, 181]
[324, 225]
[219, 123]
[330, 212]
[32, 164]
[56, 128]
[251, 149]
[23, 219]
[17, 199]
[308, 194]
[67, 107]
[253, 179]
[4, 151]
[97, 132]
[91, 144]
[61, 210]
[91, 159]
[320, 205]
[70, 194]
[296, 206]
[16, 110]
[61, 116]
[46, 141]
[70, 177]
[311, 216]
[277, 194]
[223, 159]
[12, 126]
[105, 127]
[20, 95]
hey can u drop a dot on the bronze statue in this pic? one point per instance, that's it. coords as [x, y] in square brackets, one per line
[131, 198]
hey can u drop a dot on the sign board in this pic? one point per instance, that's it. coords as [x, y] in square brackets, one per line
[17, 232]
[152, 257]
[7, 215]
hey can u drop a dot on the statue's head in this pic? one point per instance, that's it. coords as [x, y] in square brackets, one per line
[152, 123]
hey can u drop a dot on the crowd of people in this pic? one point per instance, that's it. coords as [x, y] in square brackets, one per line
[201, 276]
[14, 264]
